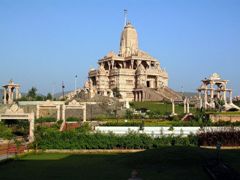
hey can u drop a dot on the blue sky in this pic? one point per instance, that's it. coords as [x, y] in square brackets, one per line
[43, 43]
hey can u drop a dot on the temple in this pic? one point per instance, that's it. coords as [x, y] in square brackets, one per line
[133, 73]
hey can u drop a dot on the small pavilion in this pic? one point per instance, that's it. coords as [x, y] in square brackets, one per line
[8, 92]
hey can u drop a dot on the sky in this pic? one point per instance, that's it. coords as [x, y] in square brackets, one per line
[45, 42]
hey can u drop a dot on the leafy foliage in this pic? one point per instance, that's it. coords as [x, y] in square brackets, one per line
[226, 136]
[116, 93]
[45, 119]
[5, 132]
[72, 119]
[51, 138]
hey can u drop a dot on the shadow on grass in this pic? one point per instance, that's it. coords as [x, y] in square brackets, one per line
[163, 163]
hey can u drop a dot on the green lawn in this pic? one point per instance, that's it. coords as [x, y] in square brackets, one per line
[160, 107]
[165, 163]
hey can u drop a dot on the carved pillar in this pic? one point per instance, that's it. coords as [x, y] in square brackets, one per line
[188, 109]
[5, 96]
[205, 99]
[225, 96]
[31, 127]
[58, 112]
[9, 96]
[64, 113]
[140, 96]
[84, 112]
[132, 63]
[199, 94]
[200, 103]
[230, 97]
[211, 91]
[124, 64]
[38, 111]
[112, 64]
[17, 93]
[173, 107]
[184, 105]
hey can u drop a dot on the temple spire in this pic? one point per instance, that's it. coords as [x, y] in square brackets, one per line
[125, 17]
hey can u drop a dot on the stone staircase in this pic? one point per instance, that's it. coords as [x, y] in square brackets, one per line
[163, 94]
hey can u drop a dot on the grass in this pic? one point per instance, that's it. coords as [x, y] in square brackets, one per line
[165, 163]
[160, 107]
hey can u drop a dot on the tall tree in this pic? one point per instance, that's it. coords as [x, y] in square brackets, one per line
[32, 93]
[49, 96]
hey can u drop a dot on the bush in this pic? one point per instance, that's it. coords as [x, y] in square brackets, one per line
[5, 132]
[81, 138]
[72, 119]
[226, 136]
[45, 119]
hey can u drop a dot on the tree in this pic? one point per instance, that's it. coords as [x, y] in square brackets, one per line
[32, 93]
[49, 96]
[116, 93]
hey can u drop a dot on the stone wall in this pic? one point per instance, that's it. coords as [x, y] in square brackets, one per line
[94, 111]
[225, 117]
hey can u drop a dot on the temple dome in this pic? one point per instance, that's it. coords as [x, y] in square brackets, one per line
[129, 41]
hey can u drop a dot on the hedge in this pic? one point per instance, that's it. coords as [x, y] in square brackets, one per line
[50, 138]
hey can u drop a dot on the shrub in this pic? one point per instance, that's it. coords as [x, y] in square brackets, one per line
[82, 138]
[72, 119]
[226, 136]
[5, 132]
[45, 119]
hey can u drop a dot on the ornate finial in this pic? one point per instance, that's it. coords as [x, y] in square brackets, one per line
[125, 17]
[11, 81]
[215, 76]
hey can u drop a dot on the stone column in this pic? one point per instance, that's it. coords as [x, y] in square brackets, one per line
[212, 91]
[124, 64]
[64, 113]
[38, 111]
[132, 64]
[199, 94]
[140, 96]
[58, 112]
[12, 97]
[230, 97]
[205, 99]
[5, 96]
[137, 95]
[184, 105]
[31, 127]
[173, 107]
[16, 94]
[84, 112]
[9, 96]
[188, 109]
[200, 103]
[225, 96]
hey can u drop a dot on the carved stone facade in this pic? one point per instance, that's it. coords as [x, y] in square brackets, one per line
[128, 71]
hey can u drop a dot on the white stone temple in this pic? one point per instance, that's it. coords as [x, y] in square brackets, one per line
[137, 75]
[8, 92]
[212, 89]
